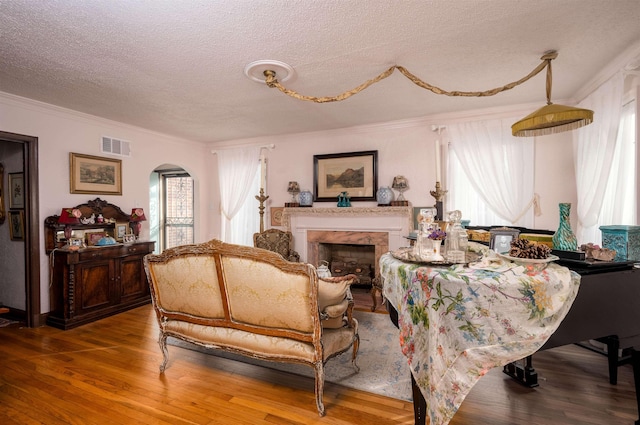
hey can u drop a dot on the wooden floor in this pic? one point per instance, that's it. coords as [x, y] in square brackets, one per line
[107, 373]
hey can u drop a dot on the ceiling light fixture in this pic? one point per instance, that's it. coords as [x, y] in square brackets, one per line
[551, 118]
[256, 70]
[547, 120]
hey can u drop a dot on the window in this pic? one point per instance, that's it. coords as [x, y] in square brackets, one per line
[463, 197]
[619, 204]
[490, 174]
[177, 219]
[247, 221]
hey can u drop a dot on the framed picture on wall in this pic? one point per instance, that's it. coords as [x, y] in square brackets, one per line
[16, 225]
[276, 216]
[354, 172]
[95, 174]
[16, 190]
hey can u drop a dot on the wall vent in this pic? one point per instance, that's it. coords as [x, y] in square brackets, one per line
[115, 146]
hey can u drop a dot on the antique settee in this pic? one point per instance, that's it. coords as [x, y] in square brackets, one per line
[252, 302]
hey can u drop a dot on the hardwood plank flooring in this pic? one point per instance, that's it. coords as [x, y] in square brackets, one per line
[107, 373]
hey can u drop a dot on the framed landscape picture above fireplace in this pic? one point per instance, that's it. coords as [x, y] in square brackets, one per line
[355, 173]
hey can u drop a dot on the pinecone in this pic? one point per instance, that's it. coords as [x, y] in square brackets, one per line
[523, 248]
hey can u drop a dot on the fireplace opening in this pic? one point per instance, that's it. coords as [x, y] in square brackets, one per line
[344, 259]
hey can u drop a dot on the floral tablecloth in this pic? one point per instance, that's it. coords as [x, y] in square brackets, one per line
[458, 323]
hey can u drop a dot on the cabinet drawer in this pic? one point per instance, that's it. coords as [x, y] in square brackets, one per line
[95, 254]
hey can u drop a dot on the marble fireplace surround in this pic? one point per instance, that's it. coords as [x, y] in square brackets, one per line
[384, 227]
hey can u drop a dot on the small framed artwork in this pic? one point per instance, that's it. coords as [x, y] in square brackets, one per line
[355, 173]
[276, 216]
[95, 175]
[121, 231]
[92, 238]
[16, 225]
[501, 238]
[16, 190]
[76, 242]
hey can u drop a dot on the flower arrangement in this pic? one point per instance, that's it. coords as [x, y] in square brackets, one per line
[437, 235]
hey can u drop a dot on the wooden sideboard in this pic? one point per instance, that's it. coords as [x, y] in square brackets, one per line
[91, 283]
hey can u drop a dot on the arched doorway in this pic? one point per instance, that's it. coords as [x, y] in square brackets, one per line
[171, 206]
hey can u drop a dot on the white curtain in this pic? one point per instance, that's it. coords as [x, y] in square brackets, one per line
[593, 151]
[237, 168]
[246, 222]
[619, 203]
[498, 166]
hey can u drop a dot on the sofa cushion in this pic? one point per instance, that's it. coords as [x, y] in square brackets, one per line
[333, 290]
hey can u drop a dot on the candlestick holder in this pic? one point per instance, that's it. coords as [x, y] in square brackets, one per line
[261, 199]
[438, 194]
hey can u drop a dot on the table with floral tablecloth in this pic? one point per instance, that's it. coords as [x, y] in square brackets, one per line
[457, 323]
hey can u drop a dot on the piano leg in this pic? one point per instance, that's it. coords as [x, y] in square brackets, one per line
[419, 404]
[526, 374]
[613, 345]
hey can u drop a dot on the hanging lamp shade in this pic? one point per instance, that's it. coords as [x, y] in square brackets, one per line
[551, 118]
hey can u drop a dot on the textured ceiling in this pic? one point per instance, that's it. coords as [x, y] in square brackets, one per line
[176, 67]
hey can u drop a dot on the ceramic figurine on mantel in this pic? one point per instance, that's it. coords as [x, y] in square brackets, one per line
[344, 200]
[564, 239]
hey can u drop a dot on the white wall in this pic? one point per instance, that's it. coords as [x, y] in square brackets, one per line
[60, 131]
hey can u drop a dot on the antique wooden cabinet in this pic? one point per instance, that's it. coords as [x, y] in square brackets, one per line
[90, 283]
[93, 283]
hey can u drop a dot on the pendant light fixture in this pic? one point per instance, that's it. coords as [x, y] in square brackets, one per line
[551, 118]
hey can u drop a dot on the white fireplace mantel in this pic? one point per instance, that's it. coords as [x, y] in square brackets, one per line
[397, 222]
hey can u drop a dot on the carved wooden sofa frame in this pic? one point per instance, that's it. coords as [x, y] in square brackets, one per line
[248, 301]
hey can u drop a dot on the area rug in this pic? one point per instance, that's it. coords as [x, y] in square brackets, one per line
[6, 322]
[383, 368]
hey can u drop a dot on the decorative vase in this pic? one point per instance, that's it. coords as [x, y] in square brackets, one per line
[436, 245]
[564, 239]
[306, 198]
[384, 196]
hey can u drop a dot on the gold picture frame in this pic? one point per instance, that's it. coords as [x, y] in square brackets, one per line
[95, 174]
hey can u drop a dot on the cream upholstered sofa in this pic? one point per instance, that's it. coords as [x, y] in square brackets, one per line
[251, 301]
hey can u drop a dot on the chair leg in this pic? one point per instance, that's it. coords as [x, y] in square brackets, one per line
[162, 341]
[376, 286]
[354, 357]
[319, 387]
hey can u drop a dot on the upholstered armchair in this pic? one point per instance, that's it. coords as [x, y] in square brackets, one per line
[277, 241]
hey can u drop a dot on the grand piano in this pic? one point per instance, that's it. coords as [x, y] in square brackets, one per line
[606, 309]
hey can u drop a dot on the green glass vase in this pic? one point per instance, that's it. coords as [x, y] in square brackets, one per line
[564, 239]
